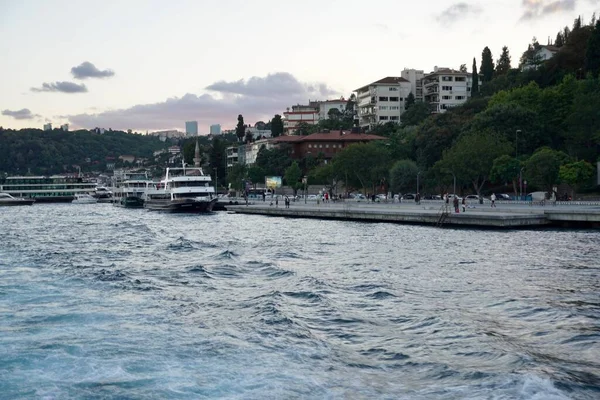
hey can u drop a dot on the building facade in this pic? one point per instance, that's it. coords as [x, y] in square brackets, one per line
[415, 77]
[445, 88]
[215, 129]
[382, 101]
[48, 126]
[191, 128]
[325, 106]
[308, 114]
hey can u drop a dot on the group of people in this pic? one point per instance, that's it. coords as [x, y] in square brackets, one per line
[456, 203]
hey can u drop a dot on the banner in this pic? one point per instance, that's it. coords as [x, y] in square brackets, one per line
[273, 182]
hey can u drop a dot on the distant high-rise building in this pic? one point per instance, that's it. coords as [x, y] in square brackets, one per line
[215, 129]
[48, 126]
[65, 127]
[191, 127]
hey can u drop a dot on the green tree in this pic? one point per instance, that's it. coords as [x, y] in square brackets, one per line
[256, 174]
[543, 167]
[503, 65]
[471, 158]
[240, 129]
[334, 114]
[403, 176]
[475, 79]
[592, 53]
[506, 169]
[292, 177]
[415, 114]
[487, 65]
[410, 101]
[236, 175]
[305, 129]
[576, 174]
[276, 126]
[363, 165]
[217, 159]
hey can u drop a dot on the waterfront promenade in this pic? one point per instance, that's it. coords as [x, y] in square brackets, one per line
[505, 215]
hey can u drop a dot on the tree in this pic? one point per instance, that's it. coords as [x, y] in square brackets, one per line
[463, 68]
[362, 165]
[487, 65]
[216, 158]
[475, 79]
[248, 137]
[576, 174]
[410, 101]
[471, 158]
[292, 177]
[256, 174]
[334, 114]
[415, 114]
[403, 176]
[240, 129]
[236, 175]
[503, 65]
[531, 57]
[506, 169]
[276, 126]
[543, 167]
[305, 129]
[592, 53]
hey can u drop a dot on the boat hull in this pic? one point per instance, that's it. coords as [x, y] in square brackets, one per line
[130, 202]
[16, 202]
[53, 199]
[181, 206]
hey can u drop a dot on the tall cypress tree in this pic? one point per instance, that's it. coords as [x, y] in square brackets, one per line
[487, 65]
[503, 65]
[592, 53]
[475, 80]
[240, 129]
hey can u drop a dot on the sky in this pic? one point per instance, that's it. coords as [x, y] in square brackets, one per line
[152, 65]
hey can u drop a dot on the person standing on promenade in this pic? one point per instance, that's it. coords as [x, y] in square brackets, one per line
[464, 204]
[493, 199]
[455, 203]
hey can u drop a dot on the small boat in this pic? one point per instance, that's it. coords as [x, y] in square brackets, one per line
[130, 188]
[185, 189]
[103, 194]
[84, 198]
[7, 200]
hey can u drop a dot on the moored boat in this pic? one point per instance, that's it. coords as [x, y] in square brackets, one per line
[185, 189]
[130, 188]
[84, 198]
[7, 200]
[46, 189]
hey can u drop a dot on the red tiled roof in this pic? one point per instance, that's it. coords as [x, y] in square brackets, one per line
[328, 137]
[389, 80]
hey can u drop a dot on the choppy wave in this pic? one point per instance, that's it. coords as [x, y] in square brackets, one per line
[103, 302]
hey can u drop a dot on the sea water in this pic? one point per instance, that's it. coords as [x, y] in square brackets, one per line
[105, 302]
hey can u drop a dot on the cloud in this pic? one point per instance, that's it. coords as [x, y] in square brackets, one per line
[457, 12]
[536, 9]
[64, 87]
[88, 70]
[257, 98]
[24, 113]
[279, 84]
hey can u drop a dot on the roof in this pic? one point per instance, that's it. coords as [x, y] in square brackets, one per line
[551, 48]
[446, 71]
[389, 80]
[345, 136]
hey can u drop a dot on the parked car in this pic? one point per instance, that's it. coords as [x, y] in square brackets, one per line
[472, 197]
[503, 196]
[451, 196]
[408, 196]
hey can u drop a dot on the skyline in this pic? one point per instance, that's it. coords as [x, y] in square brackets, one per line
[144, 65]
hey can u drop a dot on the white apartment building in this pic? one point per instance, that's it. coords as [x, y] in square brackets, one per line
[325, 106]
[300, 113]
[445, 88]
[48, 126]
[415, 77]
[382, 101]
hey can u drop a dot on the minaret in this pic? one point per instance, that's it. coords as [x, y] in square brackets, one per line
[197, 155]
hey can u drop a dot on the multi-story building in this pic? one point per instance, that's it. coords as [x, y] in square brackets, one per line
[48, 126]
[215, 129]
[191, 128]
[308, 114]
[445, 88]
[325, 106]
[65, 127]
[382, 101]
[415, 77]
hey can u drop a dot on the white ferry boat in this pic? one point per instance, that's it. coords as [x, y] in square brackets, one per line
[185, 189]
[47, 189]
[84, 198]
[7, 200]
[131, 187]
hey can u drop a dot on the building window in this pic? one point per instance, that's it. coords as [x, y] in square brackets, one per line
[394, 118]
[459, 97]
[460, 79]
[468, 89]
[446, 97]
[393, 98]
[309, 145]
[401, 98]
[446, 87]
[326, 146]
[383, 98]
[383, 107]
[394, 107]
[393, 89]
[383, 117]
[320, 146]
[446, 79]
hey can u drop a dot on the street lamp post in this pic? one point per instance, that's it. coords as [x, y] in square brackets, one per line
[418, 173]
[304, 180]
[454, 188]
[216, 181]
[517, 142]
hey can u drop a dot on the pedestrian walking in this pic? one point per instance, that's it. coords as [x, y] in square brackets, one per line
[276, 200]
[464, 204]
[455, 203]
[493, 199]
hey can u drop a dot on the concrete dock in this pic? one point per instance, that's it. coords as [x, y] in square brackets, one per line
[504, 216]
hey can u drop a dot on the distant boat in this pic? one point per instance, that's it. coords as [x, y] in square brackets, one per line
[7, 200]
[46, 189]
[104, 195]
[182, 190]
[84, 198]
[131, 187]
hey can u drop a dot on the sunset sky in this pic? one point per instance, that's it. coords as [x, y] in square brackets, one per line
[150, 65]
